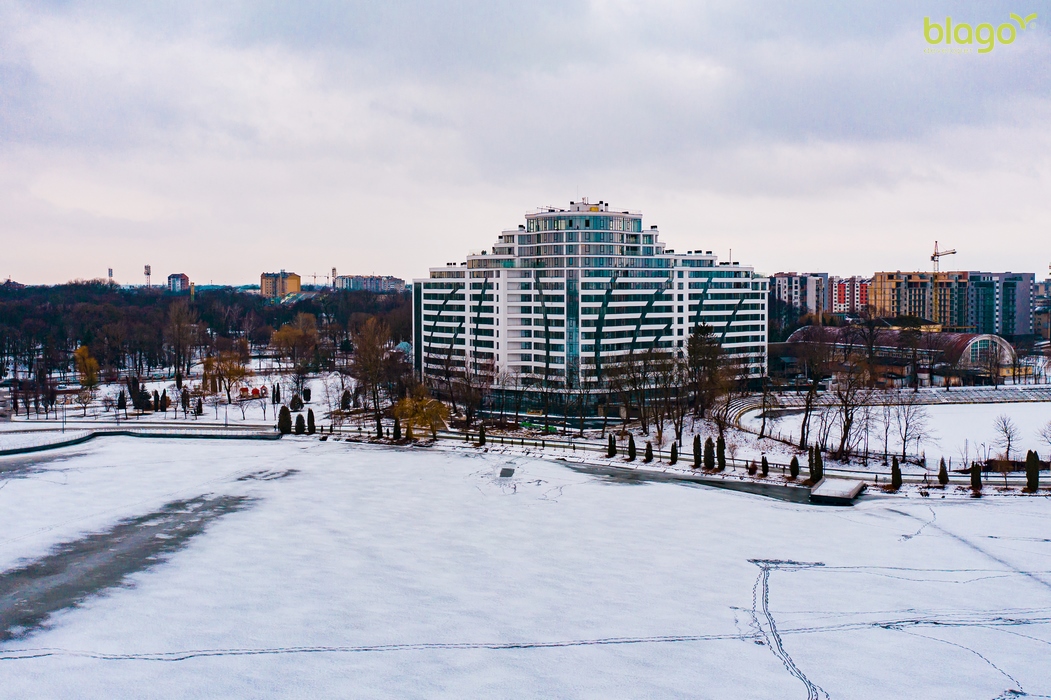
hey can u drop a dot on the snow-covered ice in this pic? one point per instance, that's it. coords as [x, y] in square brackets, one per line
[358, 571]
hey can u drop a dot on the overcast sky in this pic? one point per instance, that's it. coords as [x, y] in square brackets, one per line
[388, 137]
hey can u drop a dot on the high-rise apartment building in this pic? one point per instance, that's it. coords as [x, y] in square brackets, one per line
[570, 292]
[384, 284]
[847, 295]
[278, 284]
[178, 282]
[1000, 303]
[808, 292]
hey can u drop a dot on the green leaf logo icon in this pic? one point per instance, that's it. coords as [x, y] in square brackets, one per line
[1023, 22]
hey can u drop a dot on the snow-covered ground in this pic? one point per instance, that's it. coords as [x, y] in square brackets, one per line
[953, 430]
[357, 571]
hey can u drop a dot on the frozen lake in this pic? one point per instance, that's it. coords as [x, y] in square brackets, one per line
[180, 568]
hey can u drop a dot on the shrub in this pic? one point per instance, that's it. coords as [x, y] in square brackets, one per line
[720, 452]
[943, 473]
[793, 467]
[696, 451]
[311, 428]
[344, 401]
[709, 454]
[296, 404]
[649, 453]
[752, 468]
[301, 425]
[397, 429]
[611, 448]
[895, 474]
[284, 421]
[1032, 472]
[631, 448]
[765, 466]
[306, 393]
[976, 477]
[481, 435]
[674, 454]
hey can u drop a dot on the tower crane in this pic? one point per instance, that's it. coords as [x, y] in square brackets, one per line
[938, 255]
[936, 259]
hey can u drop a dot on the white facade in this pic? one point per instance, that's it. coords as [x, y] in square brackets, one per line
[806, 292]
[564, 295]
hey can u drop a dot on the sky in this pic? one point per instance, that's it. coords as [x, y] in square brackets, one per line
[227, 139]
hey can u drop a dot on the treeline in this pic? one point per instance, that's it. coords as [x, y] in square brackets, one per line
[136, 332]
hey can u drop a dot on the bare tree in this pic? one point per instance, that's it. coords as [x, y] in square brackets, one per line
[850, 393]
[816, 354]
[372, 359]
[1045, 434]
[911, 419]
[1006, 434]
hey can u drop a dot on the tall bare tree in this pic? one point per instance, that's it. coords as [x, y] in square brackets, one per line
[1006, 434]
[911, 419]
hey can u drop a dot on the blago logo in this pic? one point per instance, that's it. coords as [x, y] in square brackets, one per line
[985, 35]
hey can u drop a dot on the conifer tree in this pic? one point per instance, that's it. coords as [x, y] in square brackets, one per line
[812, 467]
[976, 477]
[631, 448]
[648, 454]
[674, 454]
[895, 474]
[611, 447]
[765, 466]
[696, 451]
[709, 454]
[397, 429]
[200, 406]
[164, 401]
[481, 435]
[819, 461]
[943, 473]
[122, 403]
[793, 467]
[301, 425]
[344, 400]
[306, 393]
[284, 421]
[156, 401]
[720, 453]
[1032, 472]
[311, 428]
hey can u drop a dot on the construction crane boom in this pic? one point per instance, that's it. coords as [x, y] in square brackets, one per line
[938, 255]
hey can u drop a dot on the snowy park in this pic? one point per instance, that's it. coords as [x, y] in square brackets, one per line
[299, 568]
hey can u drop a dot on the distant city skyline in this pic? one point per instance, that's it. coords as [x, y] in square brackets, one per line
[226, 141]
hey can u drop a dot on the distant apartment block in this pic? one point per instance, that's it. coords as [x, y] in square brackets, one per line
[848, 295]
[178, 282]
[806, 292]
[384, 284]
[1000, 303]
[1042, 290]
[1042, 323]
[277, 284]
